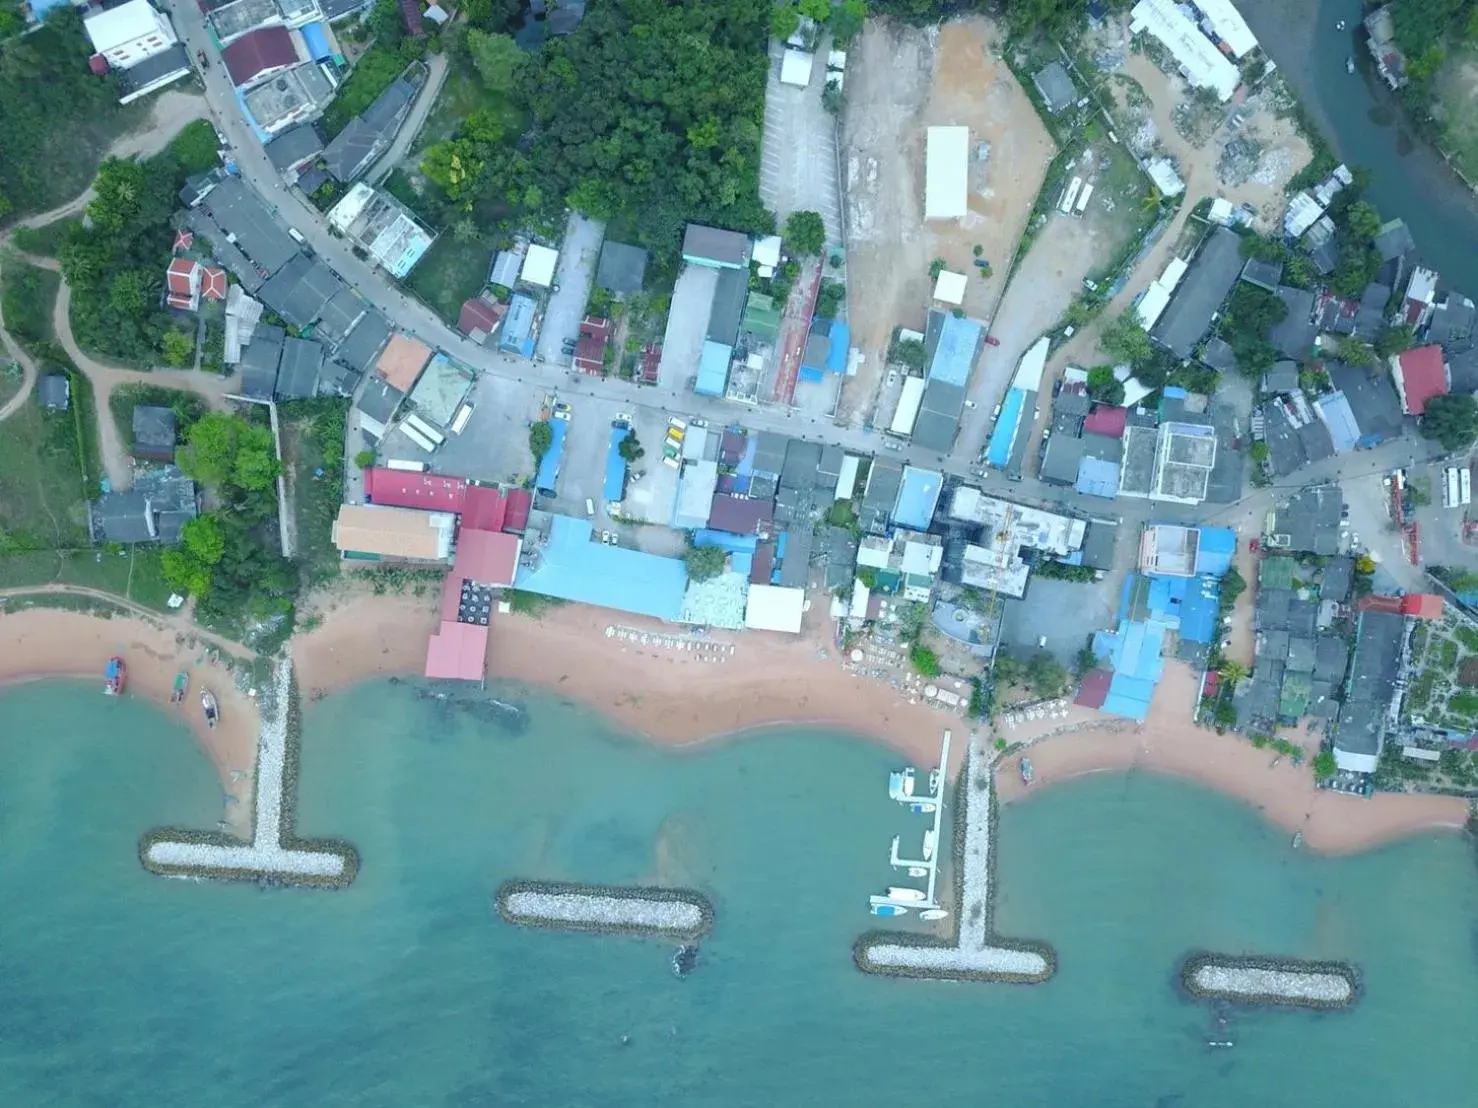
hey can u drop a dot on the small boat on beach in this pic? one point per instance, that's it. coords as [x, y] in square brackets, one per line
[685, 959]
[1026, 771]
[211, 708]
[181, 685]
[1298, 839]
[889, 910]
[933, 913]
[900, 892]
[115, 676]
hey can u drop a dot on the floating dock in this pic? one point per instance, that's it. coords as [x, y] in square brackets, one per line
[272, 854]
[668, 913]
[1271, 981]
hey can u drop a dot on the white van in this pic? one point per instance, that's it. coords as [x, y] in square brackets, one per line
[297, 236]
[589, 506]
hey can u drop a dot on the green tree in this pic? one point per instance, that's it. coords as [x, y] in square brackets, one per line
[178, 348]
[197, 147]
[541, 438]
[1362, 220]
[785, 21]
[805, 234]
[185, 573]
[705, 562]
[364, 459]
[1324, 765]
[454, 165]
[1393, 339]
[1104, 387]
[1046, 675]
[204, 539]
[818, 10]
[225, 450]
[847, 18]
[631, 448]
[1125, 341]
[924, 660]
[496, 59]
[117, 194]
[1355, 352]
[1259, 452]
[936, 267]
[1451, 420]
[1356, 268]
[1233, 585]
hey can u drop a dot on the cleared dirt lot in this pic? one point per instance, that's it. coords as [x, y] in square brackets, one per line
[901, 81]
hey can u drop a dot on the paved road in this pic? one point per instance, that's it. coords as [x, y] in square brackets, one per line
[579, 255]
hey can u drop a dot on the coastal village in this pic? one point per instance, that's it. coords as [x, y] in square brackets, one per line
[1076, 402]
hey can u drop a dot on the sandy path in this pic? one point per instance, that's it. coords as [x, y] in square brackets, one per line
[1283, 793]
[28, 368]
[42, 642]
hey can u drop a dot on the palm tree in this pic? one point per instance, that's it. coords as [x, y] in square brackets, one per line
[1233, 671]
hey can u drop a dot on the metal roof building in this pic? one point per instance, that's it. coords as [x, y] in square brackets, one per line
[1197, 55]
[371, 531]
[1200, 295]
[569, 565]
[918, 494]
[946, 172]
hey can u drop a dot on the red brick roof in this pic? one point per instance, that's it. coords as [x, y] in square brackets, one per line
[1420, 375]
[591, 349]
[484, 508]
[1422, 605]
[739, 516]
[458, 651]
[479, 315]
[1093, 690]
[213, 284]
[516, 516]
[178, 276]
[400, 489]
[258, 52]
[1104, 420]
[183, 239]
[763, 564]
[487, 557]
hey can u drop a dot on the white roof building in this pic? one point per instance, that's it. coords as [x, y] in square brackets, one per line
[1303, 212]
[1010, 528]
[950, 287]
[538, 266]
[1029, 371]
[795, 68]
[946, 172]
[909, 401]
[772, 608]
[1162, 172]
[382, 226]
[1199, 58]
[847, 479]
[1154, 301]
[1228, 25]
[129, 33]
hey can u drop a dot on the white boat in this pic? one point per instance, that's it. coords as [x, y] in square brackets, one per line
[934, 782]
[933, 913]
[900, 892]
[889, 910]
[921, 808]
[900, 784]
[929, 844]
[918, 871]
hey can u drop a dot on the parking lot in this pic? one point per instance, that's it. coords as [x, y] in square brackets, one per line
[494, 446]
[578, 256]
[1063, 612]
[798, 166]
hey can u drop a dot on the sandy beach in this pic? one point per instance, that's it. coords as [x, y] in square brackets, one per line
[41, 642]
[1168, 742]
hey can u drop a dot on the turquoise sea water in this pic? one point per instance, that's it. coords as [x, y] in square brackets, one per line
[119, 988]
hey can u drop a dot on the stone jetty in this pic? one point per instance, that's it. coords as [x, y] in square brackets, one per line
[669, 913]
[272, 855]
[1253, 980]
[975, 953]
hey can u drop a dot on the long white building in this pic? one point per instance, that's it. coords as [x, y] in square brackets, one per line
[1202, 62]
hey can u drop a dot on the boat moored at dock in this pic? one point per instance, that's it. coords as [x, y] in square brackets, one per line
[899, 892]
[889, 910]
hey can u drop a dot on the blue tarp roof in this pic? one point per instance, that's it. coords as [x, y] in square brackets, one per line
[1200, 610]
[955, 353]
[572, 567]
[616, 466]
[841, 339]
[745, 468]
[809, 373]
[917, 496]
[316, 40]
[1098, 477]
[734, 544]
[999, 450]
[713, 369]
[742, 564]
[549, 464]
[1215, 551]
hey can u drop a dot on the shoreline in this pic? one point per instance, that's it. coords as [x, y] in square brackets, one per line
[40, 644]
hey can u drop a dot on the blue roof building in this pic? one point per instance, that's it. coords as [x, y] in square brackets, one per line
[713, 369]
[615, 466]
[518, 326]
[998, 450]
[917, 496]
[316, 41]
[954, 354]
[570, 566]
[549, 464]
[1215, 551]
[1098, 477]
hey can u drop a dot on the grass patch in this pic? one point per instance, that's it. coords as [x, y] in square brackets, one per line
[88, 605]
[313, 453]
[130, 572]
[45, 240]
[1468, 637]
[12, 377]
[450, 273]
[30, 294]
[1457, 92]
[42, 484]
[1464, 703]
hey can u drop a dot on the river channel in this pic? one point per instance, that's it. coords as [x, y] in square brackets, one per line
[1363, 120]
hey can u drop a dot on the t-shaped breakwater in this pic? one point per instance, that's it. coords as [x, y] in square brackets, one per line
[975, 953]
[273, 855]
[667, 913]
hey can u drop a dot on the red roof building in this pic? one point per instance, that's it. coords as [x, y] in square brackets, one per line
[762, 565]
[590, 350]
[213, 284]
[484, 508]
[1420, 374]
[1094, 688]
[651, 363]
[480, 315]
[396, 488]
[410, 15]
[458, 651]
[258, 54]
[182, 284]
[183, 240]
[1422, 605]
[487, 557]
[98, 64]
[740, 516]
[1104, 420]
[520, 502]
